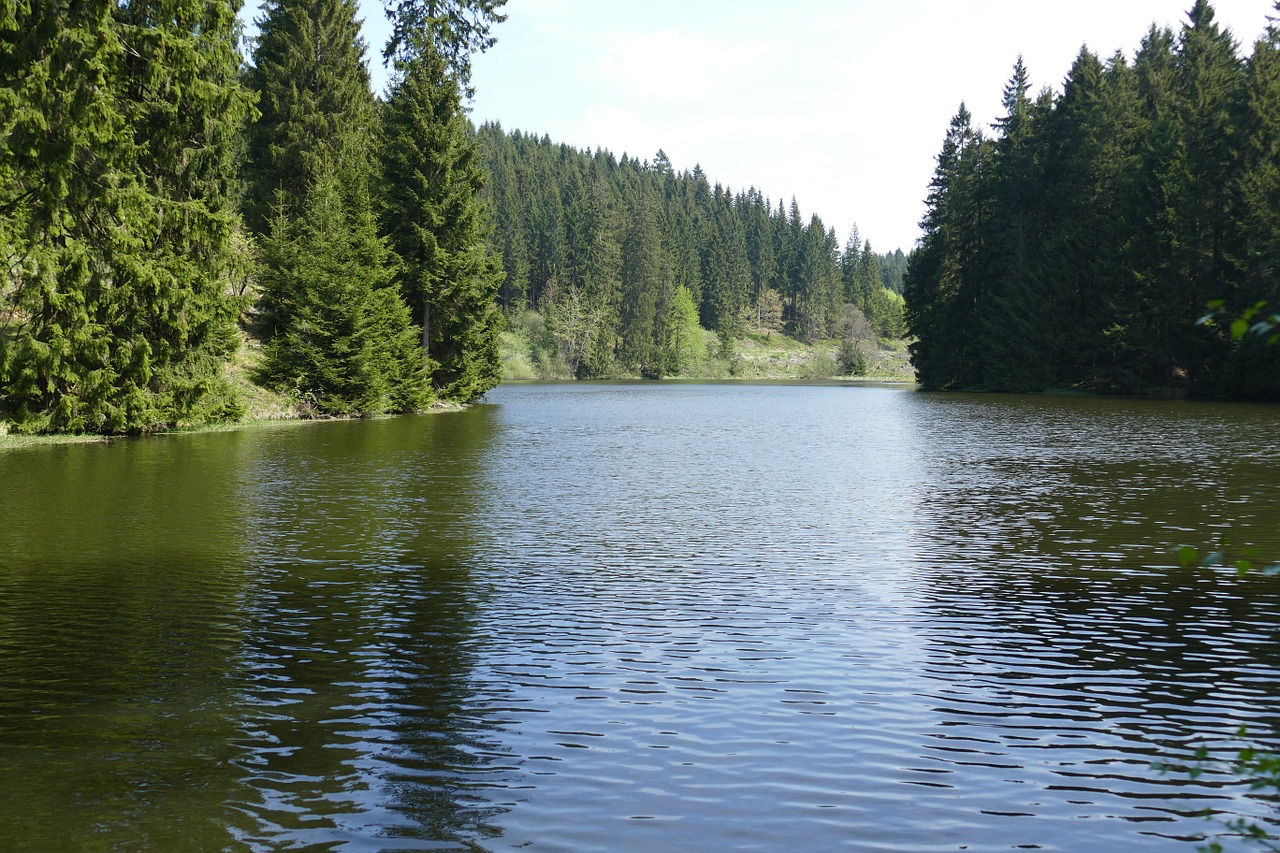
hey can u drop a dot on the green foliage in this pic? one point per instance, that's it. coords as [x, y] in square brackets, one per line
[687, 345]
[451, 29]
[1075, 248]
[336, 330]
[944, 275]
[851, 359]
[601, 246]
[347, 344]
[316, 108]
[117, 214]
[433, 217]
[126, 261]
[821, 365]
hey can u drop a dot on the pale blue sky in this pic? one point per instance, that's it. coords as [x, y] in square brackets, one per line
[841, 104]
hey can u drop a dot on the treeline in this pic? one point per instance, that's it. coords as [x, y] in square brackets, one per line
[154, 192]
[1078, 246]
[626, 260]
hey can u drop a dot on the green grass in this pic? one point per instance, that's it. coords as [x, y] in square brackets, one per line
[755, 356]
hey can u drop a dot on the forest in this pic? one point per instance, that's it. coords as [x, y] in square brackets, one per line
[617, 264]
[162, 201]
[1102, 238]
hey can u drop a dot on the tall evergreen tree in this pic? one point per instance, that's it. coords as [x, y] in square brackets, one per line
[316, 107]
[456, 28]
[818, 294]
[348, 347]
[1097, 226]
[116, 214]
[1015, 309]
[760, 248]
[726, 271]
[943, 282]
[647, 294]
[850, 264]
[1253, 368]
[437, 225]
[327, 300]
[880, 306]
[1202, 217]
[1260, 173]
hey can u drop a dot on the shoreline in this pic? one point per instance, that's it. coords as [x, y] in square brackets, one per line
[16, 441]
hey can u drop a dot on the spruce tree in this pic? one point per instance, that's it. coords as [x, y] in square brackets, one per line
[760, 248]
[349, 347]
[1204, 216]
[1259, 182]
[437, 225]
[510, 234]
[120, 125]
[592, 270]
[456, 28]
[1016, 309]
[943, 283]
[726, 272]
[330, 317]
[850, 260]
[1254, 368]
[647, 296]
[316, 109]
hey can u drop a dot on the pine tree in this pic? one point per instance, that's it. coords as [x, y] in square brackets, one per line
[1016, 309]
[593, 268]
[1254, 368]
[456, 28]
[943, 284]
[819, 293]
[1205, 219]
[647, 294]
[726, 272]
[1260, 174]
[754, 209]
[1181, 256]
[850, 265]
[438, 226]
[789, 227]
[510, 235]
[882, 310]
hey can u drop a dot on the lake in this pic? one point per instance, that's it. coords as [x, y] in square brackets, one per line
[641, 617]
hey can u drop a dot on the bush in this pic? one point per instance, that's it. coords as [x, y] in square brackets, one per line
[853, 361]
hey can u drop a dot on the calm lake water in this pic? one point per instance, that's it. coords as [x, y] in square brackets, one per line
[640, 618]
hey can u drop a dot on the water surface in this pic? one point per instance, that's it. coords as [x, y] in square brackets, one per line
[640, 617]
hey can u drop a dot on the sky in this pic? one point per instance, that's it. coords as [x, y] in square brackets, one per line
[842, 104]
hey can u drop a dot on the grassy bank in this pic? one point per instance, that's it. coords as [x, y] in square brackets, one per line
[261, 405]
[528, 352]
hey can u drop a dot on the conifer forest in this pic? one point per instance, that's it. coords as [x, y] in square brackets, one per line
[626, 260]
[1083, 242]
[163, 195]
